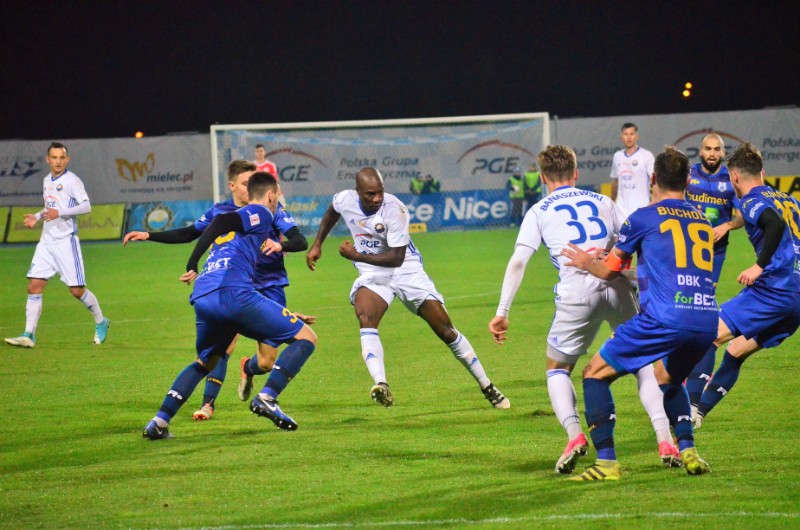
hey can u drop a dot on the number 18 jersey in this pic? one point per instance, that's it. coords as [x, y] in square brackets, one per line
[570, 215]
[674, 245]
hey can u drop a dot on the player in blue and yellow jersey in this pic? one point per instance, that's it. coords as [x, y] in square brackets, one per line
[673, 243]
[226, 303]
[710, 190]
[271, 278]
[767, 310]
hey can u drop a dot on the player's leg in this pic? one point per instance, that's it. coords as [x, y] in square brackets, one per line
[69, 262]
[564, 401]
[601, 419]
[213, 337]
[33, 310]
[434, 313]
[371, 300]
[652, 399]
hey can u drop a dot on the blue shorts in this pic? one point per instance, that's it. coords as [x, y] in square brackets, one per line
[275, 293]
[641, 341]
[224, 313]
[768, 318]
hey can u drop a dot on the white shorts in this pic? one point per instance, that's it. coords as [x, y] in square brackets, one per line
[576, 322]
[62, 257]
[412, 289]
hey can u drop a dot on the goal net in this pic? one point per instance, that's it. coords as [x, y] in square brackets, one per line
[472, 157]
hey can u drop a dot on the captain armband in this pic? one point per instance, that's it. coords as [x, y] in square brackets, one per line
[617, 264]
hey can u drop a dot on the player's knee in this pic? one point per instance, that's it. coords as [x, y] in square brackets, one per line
[306, 333]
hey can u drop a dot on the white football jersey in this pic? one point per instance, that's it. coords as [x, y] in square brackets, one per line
[571, 215]
[64, 191]
[633, 179]
[374, 234]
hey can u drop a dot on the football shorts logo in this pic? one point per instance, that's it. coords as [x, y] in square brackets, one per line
[255, 220]
[380, 228]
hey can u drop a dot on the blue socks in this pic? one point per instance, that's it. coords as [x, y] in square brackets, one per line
[676, 405]
[181, 389]
[214, 380]
[701, 375]
[721, 384]
[288, 365]
[600, 416]
[251, 367]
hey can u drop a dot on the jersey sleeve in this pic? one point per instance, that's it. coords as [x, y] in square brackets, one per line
[530, 235]
[632, 232]
[283, 220]
[397, 221]
[78, 192]
[256, 219]
[614, 174]
[751, 209]
[205, 220]
[338, 201]
[649, 164]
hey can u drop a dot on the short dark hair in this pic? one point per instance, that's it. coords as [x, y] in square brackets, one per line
[237, 167]
[258, 185]
[260, 145]
[56, 145]
[558, 162]
[628, 125]
[747, 159]
[672, 169]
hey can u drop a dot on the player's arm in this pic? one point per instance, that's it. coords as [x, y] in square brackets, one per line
[329, 220]
[773, 226]
[614, 188]
[735, 223]
[186, 234]
[393, 257]
[614, 263]
[222, 224]
[79, 209]
[515, 271]
[295, 240]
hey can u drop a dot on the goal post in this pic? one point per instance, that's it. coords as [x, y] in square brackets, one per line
[471, 156]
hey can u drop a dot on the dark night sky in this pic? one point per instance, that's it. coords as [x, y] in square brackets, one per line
[109, 68]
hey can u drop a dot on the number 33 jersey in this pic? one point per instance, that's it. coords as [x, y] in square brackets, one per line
[674, 245]
[571, 215]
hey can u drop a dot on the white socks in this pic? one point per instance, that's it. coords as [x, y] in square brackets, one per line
[372, 353]
[33, 310]
[91, 303]
[465, 354]
[652, 399]
[564, 401]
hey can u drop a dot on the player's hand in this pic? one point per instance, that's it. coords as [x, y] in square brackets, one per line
[750, 275]
[270, 247]
[50, 214]
[135, 236]
[312, 256]
[498, 328]
[576, 256]
[30, 220]
[720, 231]
[347, 250]
[188, 277]
[307, 319]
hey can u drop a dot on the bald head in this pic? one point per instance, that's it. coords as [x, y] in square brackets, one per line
[712, 151]
[369, 187]
[368, 175]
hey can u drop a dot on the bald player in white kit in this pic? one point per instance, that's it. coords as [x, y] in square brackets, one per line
[583, 302]
[390, 266]
[59, 250]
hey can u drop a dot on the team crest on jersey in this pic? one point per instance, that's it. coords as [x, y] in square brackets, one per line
[255, 220]
[635, 163]
[380, 228]
[722, 186]
[59, 187]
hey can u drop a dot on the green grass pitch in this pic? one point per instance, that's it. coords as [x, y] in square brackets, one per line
[72, 455]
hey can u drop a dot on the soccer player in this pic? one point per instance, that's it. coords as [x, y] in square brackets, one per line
[262, 164]
[767, 310]
[59, 249]
[710, 191]
[271, 278]
[390, 265]
[631, 169]
[226, 303]
[674, 247]
[583, 302]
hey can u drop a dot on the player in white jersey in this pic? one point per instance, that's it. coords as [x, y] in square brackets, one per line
[389, 265]
[583, 302]
[631, 169]
[59, 250]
